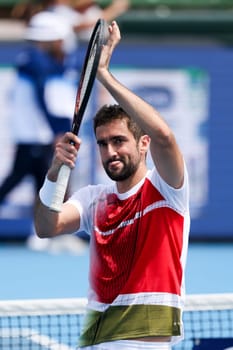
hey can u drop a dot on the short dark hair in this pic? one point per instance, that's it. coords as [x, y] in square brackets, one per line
[108, 113]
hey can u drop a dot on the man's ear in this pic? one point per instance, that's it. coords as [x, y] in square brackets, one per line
[144, 143]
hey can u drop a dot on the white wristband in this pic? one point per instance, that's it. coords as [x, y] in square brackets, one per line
[47, 191]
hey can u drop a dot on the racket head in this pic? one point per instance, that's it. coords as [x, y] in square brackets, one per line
[88, 72]
[87, 77]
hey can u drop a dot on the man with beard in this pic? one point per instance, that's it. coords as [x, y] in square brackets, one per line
[138, 225]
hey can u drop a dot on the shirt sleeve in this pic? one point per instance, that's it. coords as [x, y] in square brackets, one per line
[177, 198]
[84, 200]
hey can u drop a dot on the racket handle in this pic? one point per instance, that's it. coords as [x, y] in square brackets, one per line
[60, 189]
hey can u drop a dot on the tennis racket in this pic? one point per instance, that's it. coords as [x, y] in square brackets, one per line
[87, 78]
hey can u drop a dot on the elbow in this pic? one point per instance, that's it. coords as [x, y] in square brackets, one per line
[166, 139]
[42, 233]
[45, 231]
[46, 224]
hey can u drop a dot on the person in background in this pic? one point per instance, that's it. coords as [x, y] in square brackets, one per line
[91, 11]
[138, 225]
[42, 100]
[26, 9]
[72, 18]
[80, 15]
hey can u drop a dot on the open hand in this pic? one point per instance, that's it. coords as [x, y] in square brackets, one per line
[108, 48]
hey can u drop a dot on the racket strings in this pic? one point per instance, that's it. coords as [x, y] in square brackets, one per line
[87, 73]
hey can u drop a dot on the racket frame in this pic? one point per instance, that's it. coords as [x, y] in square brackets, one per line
[84, 89]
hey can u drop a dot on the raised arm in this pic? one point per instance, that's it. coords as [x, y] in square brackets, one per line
[164, 149]
[49, 223]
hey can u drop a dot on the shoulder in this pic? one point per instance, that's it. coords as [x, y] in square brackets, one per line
[179, 197]
[154, 176]
[91, 192]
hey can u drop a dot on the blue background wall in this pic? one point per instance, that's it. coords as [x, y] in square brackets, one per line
[216, 218]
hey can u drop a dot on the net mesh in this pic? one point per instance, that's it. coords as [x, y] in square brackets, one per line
[51, 324]
[55, 324]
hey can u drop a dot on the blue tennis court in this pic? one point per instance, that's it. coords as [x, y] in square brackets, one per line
[26, 274]
[53, 279]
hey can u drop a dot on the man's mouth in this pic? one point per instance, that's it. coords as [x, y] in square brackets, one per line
[114, 163]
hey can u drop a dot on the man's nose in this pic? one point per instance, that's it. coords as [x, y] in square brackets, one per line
[111, 149]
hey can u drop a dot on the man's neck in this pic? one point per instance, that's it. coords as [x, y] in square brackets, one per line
[126, 185]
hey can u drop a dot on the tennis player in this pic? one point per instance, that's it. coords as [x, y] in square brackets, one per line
[138, 225]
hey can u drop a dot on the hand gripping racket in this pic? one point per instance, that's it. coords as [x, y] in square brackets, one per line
[87, 77]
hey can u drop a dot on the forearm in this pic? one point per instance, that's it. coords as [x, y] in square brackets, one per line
[143, 113]
[45, 220]
[49, 223]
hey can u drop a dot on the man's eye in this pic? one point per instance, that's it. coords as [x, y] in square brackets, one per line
[101, 144]
[118, 141]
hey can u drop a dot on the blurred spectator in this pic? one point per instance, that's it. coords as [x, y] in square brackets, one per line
[25, 10]
[42, 99]
[72, 17]
[42, 106]
[91, 11]
[80, 15]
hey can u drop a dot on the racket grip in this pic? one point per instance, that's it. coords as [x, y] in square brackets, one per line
[60, 189]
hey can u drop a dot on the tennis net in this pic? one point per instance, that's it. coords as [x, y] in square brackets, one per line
[55, 324]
